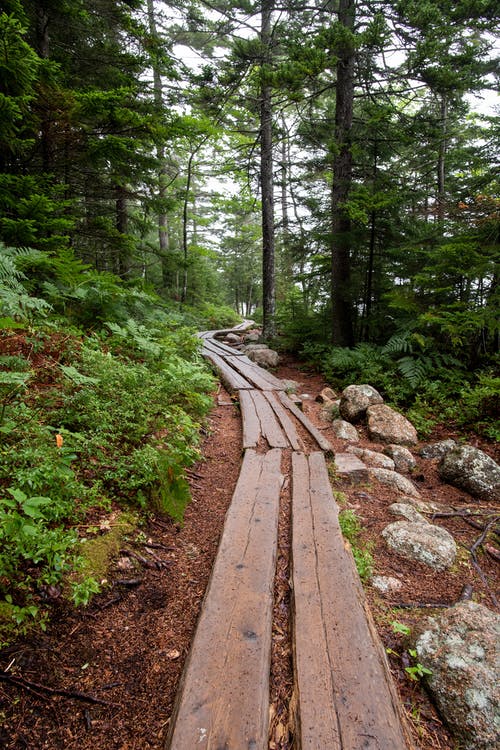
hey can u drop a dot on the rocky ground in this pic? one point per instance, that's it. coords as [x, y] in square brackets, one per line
[106, 676]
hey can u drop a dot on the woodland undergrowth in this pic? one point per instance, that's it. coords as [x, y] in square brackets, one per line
[103, 393]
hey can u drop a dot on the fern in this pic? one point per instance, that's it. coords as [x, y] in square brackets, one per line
[415, 370]
[15, 302]
[400, 343]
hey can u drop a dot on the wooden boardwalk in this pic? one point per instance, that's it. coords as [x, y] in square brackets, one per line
[344, 695]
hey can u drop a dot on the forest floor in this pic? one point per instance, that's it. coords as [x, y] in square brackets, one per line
[106, 675]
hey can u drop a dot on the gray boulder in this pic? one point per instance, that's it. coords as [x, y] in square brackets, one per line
[252, 336]
[254, 348]
[396, 481]
[263, 357]
[472, 470]
[356, 399]
[437, 450]
[402, 457]
[232, 338]
[428, 544]
[345, 430]
[372, 458]
[389, 426]
[460, 647]
[408, 512]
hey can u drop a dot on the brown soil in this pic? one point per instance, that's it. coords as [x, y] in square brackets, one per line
[106, 676]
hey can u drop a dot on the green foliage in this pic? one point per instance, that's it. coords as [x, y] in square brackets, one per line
[351, 529]
[125, 406]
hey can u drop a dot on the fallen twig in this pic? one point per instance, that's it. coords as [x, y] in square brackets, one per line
[34, 687]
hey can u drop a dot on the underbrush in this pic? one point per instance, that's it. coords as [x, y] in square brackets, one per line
[94, 421]
[430, 386]
[87, 423]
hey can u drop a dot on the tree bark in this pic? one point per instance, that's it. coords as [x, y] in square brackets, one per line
[441, 165]
[266, 179]
[163, 237]
[342, 325]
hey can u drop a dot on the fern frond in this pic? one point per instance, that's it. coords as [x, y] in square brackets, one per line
[414, 370]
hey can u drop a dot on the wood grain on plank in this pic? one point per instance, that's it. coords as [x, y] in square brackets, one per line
[231, 379]
[269, 425]
[222, 349]
[323, 443]
[255, 374]
[285, 421]
[250, 421]
[223, 700]
[353, 687]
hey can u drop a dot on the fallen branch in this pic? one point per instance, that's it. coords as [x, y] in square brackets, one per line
[37, 689]
[479, 541]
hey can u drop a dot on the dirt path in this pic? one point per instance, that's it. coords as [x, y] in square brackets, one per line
[127, 649]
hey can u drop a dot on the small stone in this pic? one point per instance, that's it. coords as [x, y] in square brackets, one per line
[232, 338]
[395, 480]
[402, 457]
[264, 357]
[389, 426]
[386, 584]
[372, 458]
[428, 544]
[437, 450]
[327, 395]
[345, 430]
[356, 399]
[350, 468]
[408, 512]
[330, 411]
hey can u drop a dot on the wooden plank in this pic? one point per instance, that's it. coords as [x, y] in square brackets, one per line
[323, 443]
[255, 374]
[221, 349]
[269, 425]
[231, 379]
[285, 421]
[223, 701]
[250, 421]
[353, 691]
[271, 379]
[318, 723]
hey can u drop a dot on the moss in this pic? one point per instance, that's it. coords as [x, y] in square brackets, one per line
[96, 553]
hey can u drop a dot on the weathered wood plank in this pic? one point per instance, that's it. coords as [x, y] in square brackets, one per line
[222, 349]
[250, 421]
[231, 379]
[268, 376]
[269, 425]
[285, 421]
[223, 701]
[255, 374]
[353, 690]
[323, 443]
[318, 722]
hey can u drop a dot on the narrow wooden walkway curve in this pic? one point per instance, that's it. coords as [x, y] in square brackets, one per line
[344, 696]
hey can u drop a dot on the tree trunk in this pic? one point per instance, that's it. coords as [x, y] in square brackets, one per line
[122, 265]
[342, 326]
[441, 168]
[266, 179]
[163, 237]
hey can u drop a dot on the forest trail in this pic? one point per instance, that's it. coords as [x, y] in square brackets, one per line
[342, 696]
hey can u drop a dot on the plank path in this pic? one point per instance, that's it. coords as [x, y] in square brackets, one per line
[344, 696]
